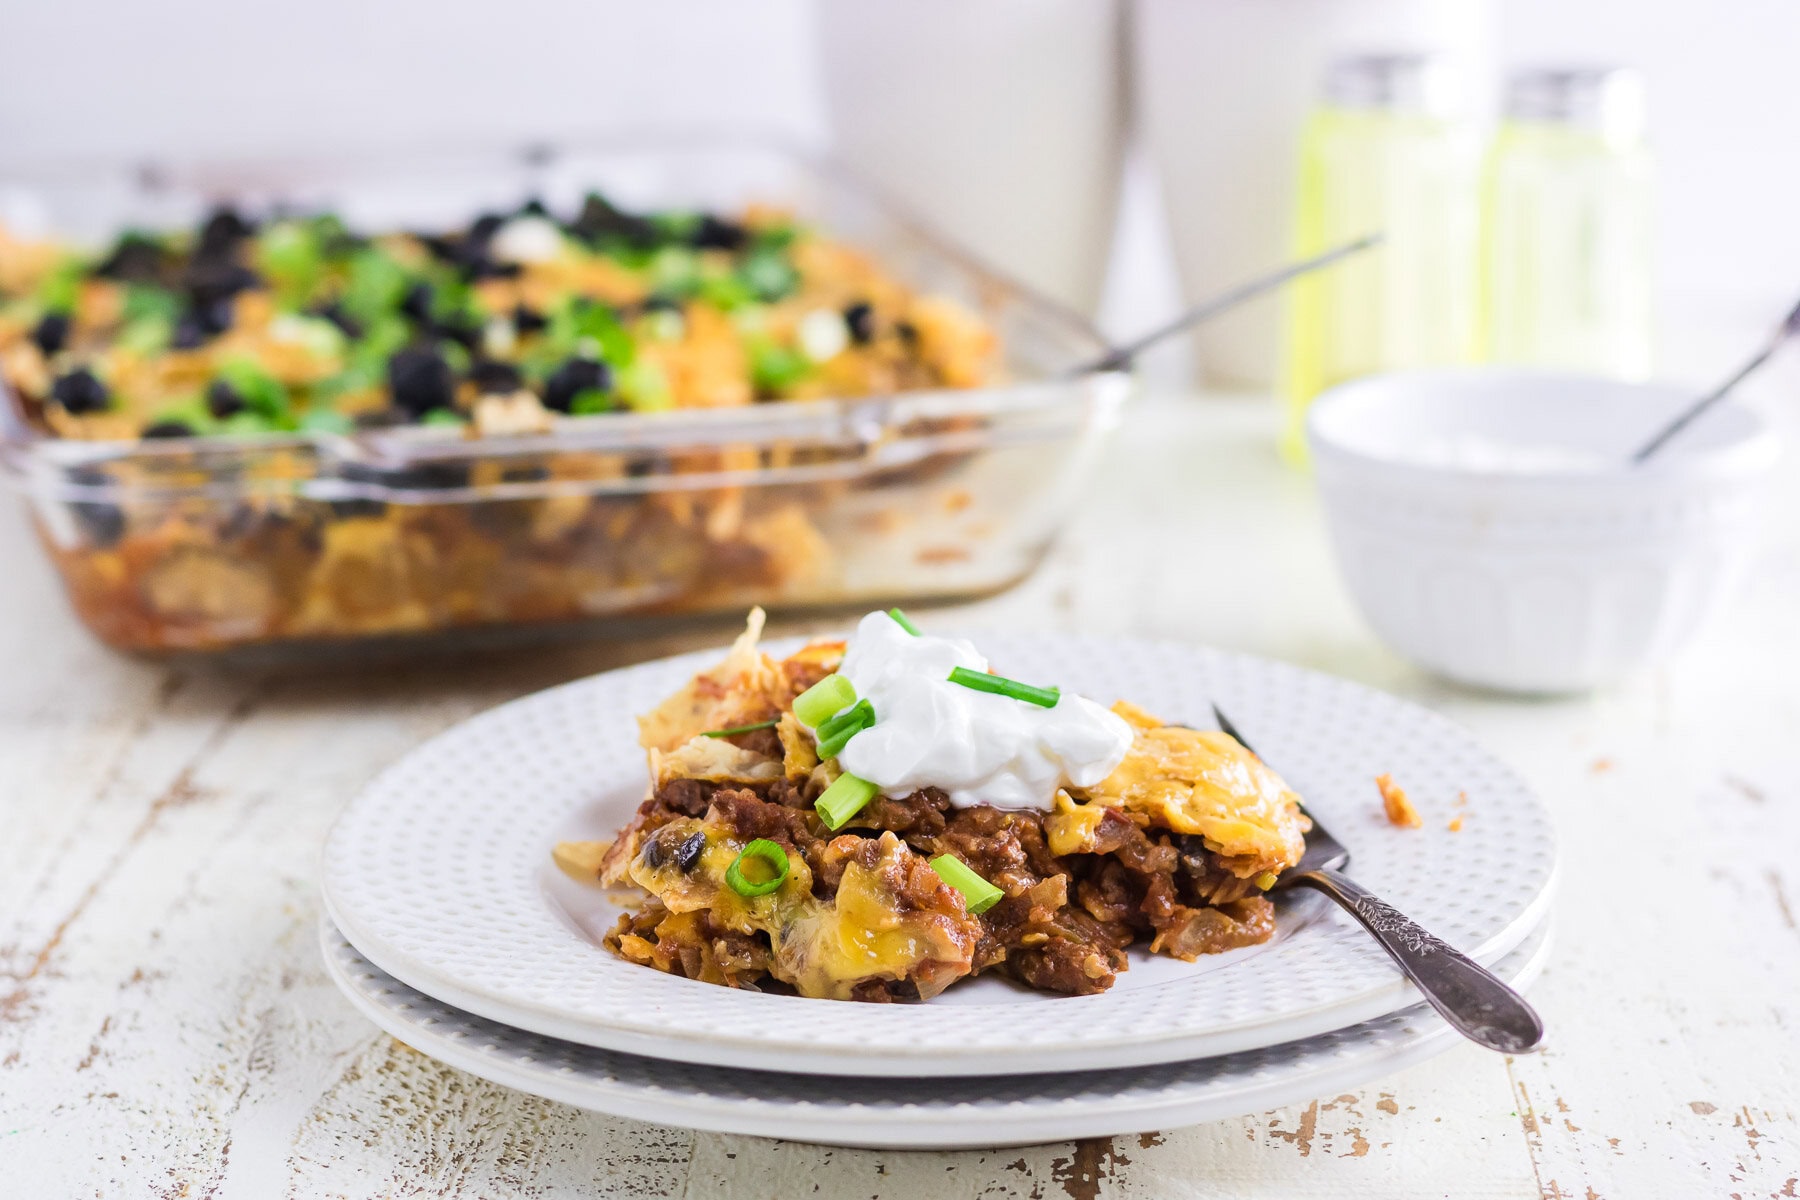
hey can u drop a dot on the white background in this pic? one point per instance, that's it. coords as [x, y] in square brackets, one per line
[113, 78]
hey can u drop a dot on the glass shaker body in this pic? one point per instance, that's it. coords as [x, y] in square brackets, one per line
[1400, 166]
[1568, 271]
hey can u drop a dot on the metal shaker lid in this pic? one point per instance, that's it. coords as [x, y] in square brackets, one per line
[1408, 82]
[1608, 101]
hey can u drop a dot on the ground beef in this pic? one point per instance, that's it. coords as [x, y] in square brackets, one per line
[1063, 925]
[749, 816]
[689, 797]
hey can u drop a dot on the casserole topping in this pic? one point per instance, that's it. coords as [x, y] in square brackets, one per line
[300, 324]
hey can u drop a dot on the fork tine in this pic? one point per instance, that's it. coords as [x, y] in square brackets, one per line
[1230, 729]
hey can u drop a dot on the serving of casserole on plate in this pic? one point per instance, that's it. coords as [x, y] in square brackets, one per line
[878, 821]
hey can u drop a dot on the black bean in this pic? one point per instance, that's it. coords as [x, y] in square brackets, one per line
[223, 400]
[417, 302]
[714, 233]
[575, 376]
[420, 380]
[168, 429]
[79, 392]
[52, 332]
[860, 318]
[598, 219]
[220, 236]
[529, 320]
[688, 853]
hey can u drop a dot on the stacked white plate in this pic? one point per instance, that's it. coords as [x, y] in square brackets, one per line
[451, 929]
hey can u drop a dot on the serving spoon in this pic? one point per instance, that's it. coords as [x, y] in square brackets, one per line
[1787, 329]
[1118, 358]
[1477, 1003]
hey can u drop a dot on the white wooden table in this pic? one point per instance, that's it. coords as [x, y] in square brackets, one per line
[167, 1029]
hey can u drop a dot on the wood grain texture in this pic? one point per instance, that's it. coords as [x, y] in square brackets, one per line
[167, 1030]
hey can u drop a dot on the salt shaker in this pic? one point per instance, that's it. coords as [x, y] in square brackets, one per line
[1385, 151]
[1567, 260]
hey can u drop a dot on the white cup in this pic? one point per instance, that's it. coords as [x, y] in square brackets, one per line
[999, 121]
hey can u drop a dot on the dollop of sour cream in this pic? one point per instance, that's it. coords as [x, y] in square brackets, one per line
[978, 747]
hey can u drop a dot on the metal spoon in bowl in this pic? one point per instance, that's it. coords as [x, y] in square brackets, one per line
[1477, 1003]
[1118, 358]
[1787, 329]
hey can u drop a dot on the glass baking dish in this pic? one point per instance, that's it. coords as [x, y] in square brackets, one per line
[209, 543]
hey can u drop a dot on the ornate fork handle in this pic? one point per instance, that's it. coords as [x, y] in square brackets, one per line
[1480, 1005]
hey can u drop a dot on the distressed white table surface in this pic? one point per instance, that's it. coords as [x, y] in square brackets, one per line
[167, 1030]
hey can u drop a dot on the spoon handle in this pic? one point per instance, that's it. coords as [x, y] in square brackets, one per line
[1118, 358]
[1477, 1003]
[1788, 328]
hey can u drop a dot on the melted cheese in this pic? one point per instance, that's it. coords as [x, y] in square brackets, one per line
[1073, 828]
[1202, 782]
[824, 948]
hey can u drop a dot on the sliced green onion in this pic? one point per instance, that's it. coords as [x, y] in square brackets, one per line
[737, 729]
[589, 401]
[836, 733]
[846, 797]
[902, 622]
[765, 851]
[862, 712]
[823, 700]
[978, 894]
[1001, 686]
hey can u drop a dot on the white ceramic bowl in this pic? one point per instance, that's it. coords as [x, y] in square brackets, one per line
[1531, 577]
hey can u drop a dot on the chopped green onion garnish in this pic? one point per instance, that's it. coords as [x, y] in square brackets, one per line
[764, 851]
[774, 367]
[737, 729]
[1001, 686]
[836, 733]
[860, 713]
[843, 799]
[978, 894]
[823, 700]
[902, 622]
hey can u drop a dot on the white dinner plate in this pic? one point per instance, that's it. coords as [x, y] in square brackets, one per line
[440, 873]
[937, 1114]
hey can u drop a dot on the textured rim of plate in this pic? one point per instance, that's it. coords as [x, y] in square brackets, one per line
[945, 1114]
[434, 873]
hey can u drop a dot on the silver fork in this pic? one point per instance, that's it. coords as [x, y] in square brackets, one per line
[1477, 1003]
